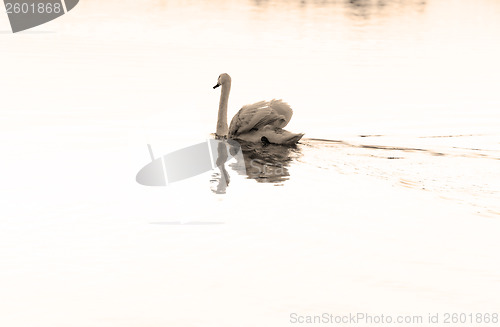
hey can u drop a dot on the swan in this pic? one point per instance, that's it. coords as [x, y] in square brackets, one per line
[259, 122]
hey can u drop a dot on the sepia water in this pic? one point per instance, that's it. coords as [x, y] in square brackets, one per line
[389, 205]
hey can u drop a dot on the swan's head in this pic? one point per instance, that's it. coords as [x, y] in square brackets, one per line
[223, 79]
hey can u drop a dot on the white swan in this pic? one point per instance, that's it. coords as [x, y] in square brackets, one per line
[259, 122]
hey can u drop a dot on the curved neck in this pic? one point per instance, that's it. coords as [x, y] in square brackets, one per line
[222, 127]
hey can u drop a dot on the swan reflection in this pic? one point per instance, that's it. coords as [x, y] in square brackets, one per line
[222, 177]
[265, 163]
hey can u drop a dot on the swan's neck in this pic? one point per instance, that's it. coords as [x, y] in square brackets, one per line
[222, 128]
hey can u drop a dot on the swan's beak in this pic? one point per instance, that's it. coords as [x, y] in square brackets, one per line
[216, 86]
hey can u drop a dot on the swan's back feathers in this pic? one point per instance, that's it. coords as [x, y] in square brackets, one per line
[275, 113]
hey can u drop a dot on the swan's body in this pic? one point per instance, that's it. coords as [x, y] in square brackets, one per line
[259, 122]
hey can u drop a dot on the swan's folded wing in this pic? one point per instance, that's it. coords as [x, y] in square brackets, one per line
[283, 109]
[249, 116]
[275, 113]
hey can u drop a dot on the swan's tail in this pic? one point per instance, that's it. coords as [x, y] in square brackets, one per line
[281, 136]
[296, 138]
